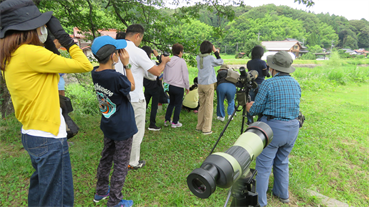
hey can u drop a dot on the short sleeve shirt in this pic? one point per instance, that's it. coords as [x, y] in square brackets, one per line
[112, 91]
[140, 63]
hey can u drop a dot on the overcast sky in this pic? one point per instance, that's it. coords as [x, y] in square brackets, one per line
[351, 9]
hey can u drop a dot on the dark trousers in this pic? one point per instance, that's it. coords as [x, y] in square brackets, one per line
[189, 109]
[155, 94]
[176, 99]
[118, 152]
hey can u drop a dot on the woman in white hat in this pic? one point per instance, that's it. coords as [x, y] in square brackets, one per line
[31, 73]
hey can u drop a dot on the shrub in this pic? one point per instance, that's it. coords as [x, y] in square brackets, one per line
[83, 98]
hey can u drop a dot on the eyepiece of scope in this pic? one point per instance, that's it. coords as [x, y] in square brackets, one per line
[202, 181]
[243, 71]
[222, 169]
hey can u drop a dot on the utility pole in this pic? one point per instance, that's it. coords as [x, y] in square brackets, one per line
[258, 36]
[237, 47]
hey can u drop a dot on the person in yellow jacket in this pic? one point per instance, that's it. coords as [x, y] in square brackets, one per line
[31, 72]
[191, 100]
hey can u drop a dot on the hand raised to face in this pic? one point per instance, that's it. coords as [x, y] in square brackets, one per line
[124, 56]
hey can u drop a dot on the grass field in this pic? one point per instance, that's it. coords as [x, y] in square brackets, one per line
[330, 155]
[231, 60]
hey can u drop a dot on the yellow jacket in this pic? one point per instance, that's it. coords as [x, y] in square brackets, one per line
[191, 100]
[32, 77]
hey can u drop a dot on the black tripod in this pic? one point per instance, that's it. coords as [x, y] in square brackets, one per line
[244, 190]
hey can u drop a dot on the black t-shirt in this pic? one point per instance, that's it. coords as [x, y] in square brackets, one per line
[258, 65]
[112, 90]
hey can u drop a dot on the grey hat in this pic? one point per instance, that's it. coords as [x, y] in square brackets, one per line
[21, 15]
[281, 61]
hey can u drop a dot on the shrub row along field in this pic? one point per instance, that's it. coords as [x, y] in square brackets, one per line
[330, 155]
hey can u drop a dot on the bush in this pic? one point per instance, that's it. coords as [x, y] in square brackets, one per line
[83, 98]
[308, 56]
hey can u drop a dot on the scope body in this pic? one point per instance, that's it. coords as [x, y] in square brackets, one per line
[222, 169]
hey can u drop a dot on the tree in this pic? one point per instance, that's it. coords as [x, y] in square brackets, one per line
[363, 38]
[5, 100]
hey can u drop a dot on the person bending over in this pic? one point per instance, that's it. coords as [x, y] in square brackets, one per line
[225, 89]
[191, 100]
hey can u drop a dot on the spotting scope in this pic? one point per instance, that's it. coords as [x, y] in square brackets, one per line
[222, 169]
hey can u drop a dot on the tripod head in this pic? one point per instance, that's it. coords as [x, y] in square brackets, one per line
[245, 83]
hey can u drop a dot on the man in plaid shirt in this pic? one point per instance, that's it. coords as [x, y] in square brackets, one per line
[278, 101]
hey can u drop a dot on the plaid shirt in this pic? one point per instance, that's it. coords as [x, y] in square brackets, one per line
[279, 97]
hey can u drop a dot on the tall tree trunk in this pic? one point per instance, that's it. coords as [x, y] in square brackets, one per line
[5, 100]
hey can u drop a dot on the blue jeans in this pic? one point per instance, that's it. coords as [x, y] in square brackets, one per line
[276, 155]
[52, 183]
[225, 90]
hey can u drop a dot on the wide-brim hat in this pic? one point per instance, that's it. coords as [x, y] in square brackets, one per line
[281, 61]
[224, 67]
[21, 15]
[104, 46]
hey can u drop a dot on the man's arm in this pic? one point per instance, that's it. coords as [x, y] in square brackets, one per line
[258, 106]
[158, 69]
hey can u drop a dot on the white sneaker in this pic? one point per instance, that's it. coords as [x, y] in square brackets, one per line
[176, 125]
[220, 118]
[229, 117]
[166, 123]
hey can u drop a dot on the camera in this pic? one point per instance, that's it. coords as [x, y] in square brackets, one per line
[247, 77]
[223, 169]
[166, 54]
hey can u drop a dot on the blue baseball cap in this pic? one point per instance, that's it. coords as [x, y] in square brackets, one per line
[103, 46]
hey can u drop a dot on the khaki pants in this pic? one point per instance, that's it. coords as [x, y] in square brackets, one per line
[140, 114]
[205, 114]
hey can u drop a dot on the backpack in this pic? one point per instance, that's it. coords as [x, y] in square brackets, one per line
[232, 76]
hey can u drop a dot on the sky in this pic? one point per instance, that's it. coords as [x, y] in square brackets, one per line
[351, 9]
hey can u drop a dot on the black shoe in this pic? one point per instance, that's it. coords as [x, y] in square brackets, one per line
[154, 128]
[283, 200]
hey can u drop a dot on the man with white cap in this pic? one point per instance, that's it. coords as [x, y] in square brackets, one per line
[278, 101]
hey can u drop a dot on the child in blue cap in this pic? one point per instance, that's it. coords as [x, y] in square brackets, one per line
[117, 120]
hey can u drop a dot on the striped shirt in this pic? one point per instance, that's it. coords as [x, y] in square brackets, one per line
[279, 97]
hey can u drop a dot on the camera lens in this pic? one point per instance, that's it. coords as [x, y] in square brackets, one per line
[198, 185]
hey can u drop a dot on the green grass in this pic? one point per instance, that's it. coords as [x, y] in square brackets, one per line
[330, 154]
[231, 60]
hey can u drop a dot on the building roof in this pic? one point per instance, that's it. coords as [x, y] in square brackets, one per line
[361, 50]
[80, 35]
[279, 45]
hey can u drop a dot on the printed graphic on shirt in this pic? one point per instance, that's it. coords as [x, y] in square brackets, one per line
[107, 107]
